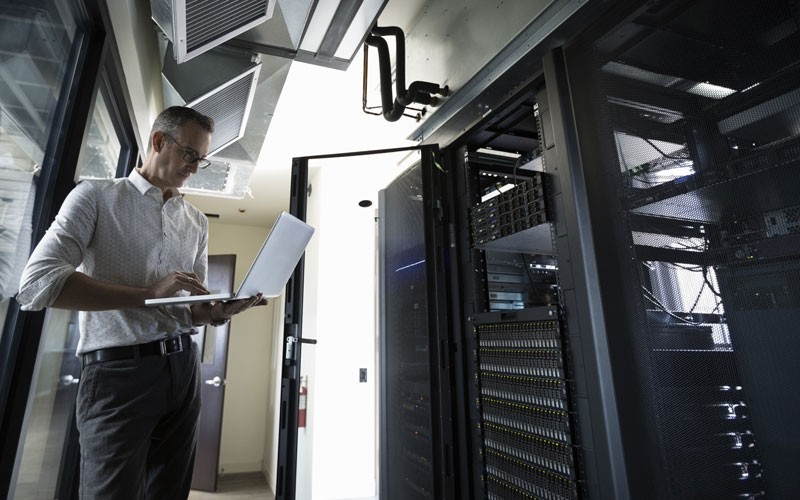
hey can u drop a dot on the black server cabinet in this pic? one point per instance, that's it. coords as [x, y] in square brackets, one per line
[477, 386]
[688, 122]
[621, 272]
[518, 358]
[519, 373]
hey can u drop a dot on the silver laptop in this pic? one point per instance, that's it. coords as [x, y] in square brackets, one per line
[272, 268]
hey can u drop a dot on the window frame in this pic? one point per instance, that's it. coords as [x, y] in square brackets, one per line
[94, 65]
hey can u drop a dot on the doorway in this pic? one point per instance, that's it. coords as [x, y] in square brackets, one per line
[338, 376]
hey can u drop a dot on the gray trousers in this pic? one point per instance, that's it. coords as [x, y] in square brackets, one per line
[137, 421]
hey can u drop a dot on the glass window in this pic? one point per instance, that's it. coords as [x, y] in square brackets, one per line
[35, 42]
[51, 402]
[37, 39]
[17, 194]
[101, 151]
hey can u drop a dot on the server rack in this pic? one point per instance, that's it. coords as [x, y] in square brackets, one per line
[626, 331]
[688, 120]
[521, 363]
[524, 441]
[498, 375]
[517, 398]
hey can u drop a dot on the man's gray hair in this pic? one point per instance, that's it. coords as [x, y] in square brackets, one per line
[171, 120]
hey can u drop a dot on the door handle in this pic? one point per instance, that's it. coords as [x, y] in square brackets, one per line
[291, 341]
[216, 382]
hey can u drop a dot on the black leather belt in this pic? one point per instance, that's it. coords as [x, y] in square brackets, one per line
[164, 347]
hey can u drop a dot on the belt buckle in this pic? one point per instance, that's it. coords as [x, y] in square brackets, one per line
[176, 341]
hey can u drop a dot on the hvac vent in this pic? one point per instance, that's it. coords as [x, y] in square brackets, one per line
[221, 84]
[195, 26]
[223, 179]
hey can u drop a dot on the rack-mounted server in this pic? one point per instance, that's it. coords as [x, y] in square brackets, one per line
[523, 405]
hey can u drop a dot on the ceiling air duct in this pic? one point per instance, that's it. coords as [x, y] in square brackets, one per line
[196, 26]
[220, 83]
[223, 179]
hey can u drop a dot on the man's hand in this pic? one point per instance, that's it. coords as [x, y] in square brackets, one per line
[174, 282]
[219, 312]
[222, 311]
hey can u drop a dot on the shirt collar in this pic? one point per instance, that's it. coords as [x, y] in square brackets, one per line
[142, 184]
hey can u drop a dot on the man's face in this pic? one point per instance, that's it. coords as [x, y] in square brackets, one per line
[178, 157]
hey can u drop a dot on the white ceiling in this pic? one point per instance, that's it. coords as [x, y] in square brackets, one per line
[318, 112]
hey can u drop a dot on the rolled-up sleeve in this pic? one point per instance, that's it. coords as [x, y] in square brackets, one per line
[61, 251]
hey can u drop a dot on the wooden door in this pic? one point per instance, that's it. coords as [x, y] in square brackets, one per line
[213, 343]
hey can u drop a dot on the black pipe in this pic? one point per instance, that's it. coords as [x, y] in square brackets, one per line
[399, 53]
[418, 92]
[390, 112]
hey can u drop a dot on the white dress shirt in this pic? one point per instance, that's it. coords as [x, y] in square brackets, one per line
[119, 231]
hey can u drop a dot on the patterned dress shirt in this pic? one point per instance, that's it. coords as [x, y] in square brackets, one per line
[119, 231]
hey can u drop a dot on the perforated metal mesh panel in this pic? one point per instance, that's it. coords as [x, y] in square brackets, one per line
[408, 464]
[696, 119]
[212, 178]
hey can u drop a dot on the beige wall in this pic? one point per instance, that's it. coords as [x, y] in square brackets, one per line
[248, 416]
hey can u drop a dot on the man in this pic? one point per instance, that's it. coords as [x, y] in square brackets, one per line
[113, 244]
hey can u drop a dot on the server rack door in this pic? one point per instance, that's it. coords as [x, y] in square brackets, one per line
[688, 118]
[415, 423]
[333, 298]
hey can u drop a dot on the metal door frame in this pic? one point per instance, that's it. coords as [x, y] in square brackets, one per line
[286, 479]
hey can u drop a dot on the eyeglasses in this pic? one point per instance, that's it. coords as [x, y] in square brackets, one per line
[190, 155]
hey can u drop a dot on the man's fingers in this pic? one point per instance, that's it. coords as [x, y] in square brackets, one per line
[189, 282]
[234, 307]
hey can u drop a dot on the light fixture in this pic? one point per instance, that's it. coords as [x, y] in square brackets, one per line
[336, 31]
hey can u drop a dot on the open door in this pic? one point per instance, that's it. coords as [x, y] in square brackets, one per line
[337, 299]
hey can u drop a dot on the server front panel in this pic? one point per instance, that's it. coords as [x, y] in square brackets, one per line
[519, 363]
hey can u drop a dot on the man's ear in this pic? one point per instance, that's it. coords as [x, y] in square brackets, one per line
[157, 141]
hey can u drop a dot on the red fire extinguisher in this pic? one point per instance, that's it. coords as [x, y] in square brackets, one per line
[301, 407]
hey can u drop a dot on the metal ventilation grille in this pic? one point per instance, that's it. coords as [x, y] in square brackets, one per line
[222, 179]
[229, 107]
[208, 20]
[197, 26]
[212, 178]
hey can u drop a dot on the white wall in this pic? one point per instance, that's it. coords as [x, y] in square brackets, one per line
[451, 40]
[337, 451]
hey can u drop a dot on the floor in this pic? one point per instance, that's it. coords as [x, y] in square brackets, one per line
[249, 486]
